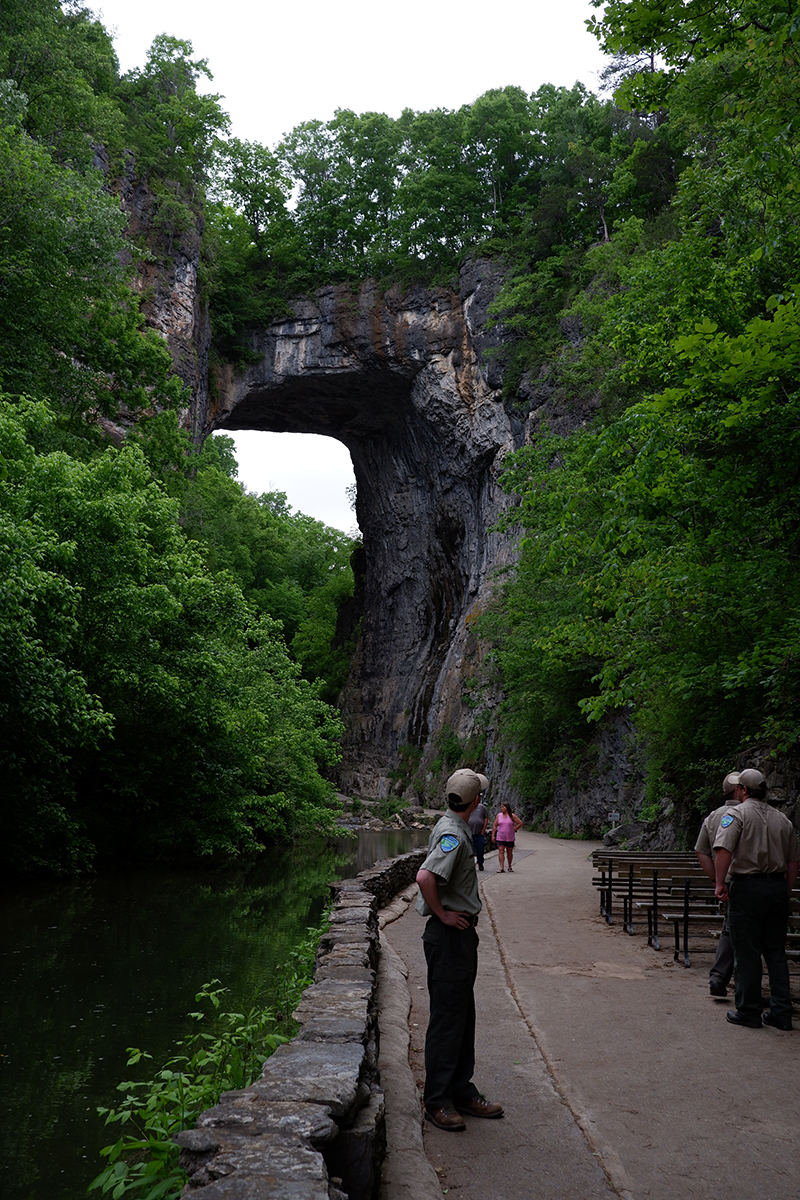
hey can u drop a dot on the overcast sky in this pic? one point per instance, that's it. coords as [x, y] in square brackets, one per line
[279, 64]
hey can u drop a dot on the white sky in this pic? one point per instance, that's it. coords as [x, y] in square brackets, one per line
[279, 64]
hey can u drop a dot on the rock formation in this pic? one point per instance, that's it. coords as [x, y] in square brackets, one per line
[401, 378]
[315, 1122]
[167, 280]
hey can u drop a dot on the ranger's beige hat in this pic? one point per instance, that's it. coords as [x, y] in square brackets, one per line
[465, 784]
[751, 778]
[730, 782]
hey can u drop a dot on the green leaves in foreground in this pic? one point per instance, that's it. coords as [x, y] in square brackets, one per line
[227, 1051]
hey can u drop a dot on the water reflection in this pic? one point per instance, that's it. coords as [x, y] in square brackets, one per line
[374, 845]
[91, 968]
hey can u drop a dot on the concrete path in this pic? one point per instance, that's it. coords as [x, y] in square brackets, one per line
[619, 1074]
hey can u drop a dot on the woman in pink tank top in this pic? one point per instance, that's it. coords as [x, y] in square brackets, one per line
[504, 832]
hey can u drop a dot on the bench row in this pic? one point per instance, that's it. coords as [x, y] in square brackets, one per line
[668, 887]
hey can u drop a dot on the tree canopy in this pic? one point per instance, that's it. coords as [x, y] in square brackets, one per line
[145, 704]
[651, 257]
[151, 702]
[658, 569]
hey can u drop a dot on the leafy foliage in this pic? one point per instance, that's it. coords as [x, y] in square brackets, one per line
[290, 567]
[148, 705]
[145, 703]
[226, 1052]
[69, 326]
[658, 565]
[535, 178]
[62, 61]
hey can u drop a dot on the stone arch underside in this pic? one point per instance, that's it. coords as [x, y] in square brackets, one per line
[398, 379]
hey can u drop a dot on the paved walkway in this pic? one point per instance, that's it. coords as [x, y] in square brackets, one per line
[619, 1074]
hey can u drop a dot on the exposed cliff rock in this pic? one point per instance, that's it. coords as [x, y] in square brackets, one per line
[610, 777]
[168, 280]
[401, 379]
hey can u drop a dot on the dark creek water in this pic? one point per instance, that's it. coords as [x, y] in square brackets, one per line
[88, 969]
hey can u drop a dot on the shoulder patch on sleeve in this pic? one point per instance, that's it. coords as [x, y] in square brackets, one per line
[726, 821]
[448, 842]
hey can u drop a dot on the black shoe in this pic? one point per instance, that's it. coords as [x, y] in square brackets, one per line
[784, 1023]
[717, 989]
[736, 1018]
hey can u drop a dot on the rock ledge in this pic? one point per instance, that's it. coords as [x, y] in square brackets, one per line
[313, 1126]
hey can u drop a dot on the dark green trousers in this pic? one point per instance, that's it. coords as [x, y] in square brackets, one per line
[452, 958]
[722, 967]
[758, 916]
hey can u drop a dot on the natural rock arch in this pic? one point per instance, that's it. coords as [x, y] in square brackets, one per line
[400, 379]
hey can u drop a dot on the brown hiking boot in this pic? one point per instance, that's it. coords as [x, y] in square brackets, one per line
[445, 1118]
[479, 1106]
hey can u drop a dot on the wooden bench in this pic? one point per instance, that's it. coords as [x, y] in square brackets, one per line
[636, 888]
[620, 869]
[669, 885]
[701, 907]
[640, 879]
[700, 904]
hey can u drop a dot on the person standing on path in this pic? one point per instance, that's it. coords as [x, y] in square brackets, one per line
[722, 967]
[763, 847]
[504, 832]
[478, 822]
[448, 887]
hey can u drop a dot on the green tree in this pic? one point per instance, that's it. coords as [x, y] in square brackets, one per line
[658, 571]
[174, 131]
[290, 567]
[174, 716]
[62, 60]
[175, 128]
[69, 325]
[253, 183]
[440, 199]
[48, 715]
[753, 47]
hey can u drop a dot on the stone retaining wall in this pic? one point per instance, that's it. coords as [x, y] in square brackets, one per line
[312, 1127]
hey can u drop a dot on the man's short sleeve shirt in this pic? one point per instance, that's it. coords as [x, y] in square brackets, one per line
[450, 860]
[710, 828]
[477, 820]
[761, 839]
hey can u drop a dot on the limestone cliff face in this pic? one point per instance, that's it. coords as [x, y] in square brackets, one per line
[168, 282]
[402, 379]
[399, 378]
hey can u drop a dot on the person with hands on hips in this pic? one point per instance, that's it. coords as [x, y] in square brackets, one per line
[449, 898]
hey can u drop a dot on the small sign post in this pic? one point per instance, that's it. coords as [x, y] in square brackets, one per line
[614, 818]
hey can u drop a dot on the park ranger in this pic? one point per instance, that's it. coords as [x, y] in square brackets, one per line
[449, 897]
[762, 846]
[722, 967]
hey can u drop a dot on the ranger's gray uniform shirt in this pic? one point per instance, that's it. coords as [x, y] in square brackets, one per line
[761, 839]
[709, 830]
[450, 860]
